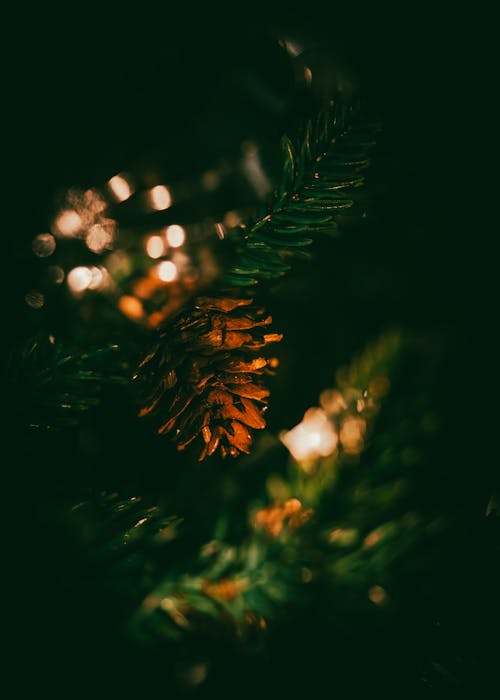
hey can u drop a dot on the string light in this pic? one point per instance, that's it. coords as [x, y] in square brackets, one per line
[68, 223]
[131, 307]
[155, 247]
[176, 235]
[314, 436]
[97, 278]
[79, 279]
[120, 187]
[100, 237]
[160, 198]
[83, 217]
[167, 271]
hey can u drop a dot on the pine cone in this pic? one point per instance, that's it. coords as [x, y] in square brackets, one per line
[204, 375]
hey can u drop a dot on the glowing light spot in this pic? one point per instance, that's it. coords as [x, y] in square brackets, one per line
[372, 538]
[99, 238]
[35, 299]
[79, 279]
[314, 437]
[131, 307]
[97, 278]
[167, 271]
[55, 274]
[332, 401]
[176, 235]
[120, 187]
[352, 434]
[68, 223]
[155, 247]
[92, 203]
[308, 76]
[377, 595]
[44, 245]
[232, 219]
[160, 198]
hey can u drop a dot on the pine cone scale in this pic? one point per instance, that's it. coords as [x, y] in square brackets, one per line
[201, 387]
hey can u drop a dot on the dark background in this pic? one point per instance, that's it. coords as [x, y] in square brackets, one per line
[90, 96]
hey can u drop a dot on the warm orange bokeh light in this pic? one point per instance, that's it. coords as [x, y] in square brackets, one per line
[131, 307]
[160, 198]
[155, 247]
[120, 187]
[167, 271]
[176, 235]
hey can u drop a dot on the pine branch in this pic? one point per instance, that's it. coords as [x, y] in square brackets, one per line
[116, 546]
[189, 378]
[322, 172]
[245, 586]
[52, 386]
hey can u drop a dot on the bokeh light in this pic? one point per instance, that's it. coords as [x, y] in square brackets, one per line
[79, 279]
[131, 307]
[231, 219]
[176, 235]
[68, 223]
[160, 198]
[167, 271]
[155, 247]
[314, 436]
[44, 245]
[100, 237]
[34, 299]
[332, 401]
[120, 187]
[352, 433]
[377, 595]
[97, 277]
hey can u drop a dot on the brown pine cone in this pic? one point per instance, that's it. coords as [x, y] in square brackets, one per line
[203, 377]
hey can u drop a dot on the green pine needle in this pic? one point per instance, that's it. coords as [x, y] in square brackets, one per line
[52, 386]
[321, 172]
